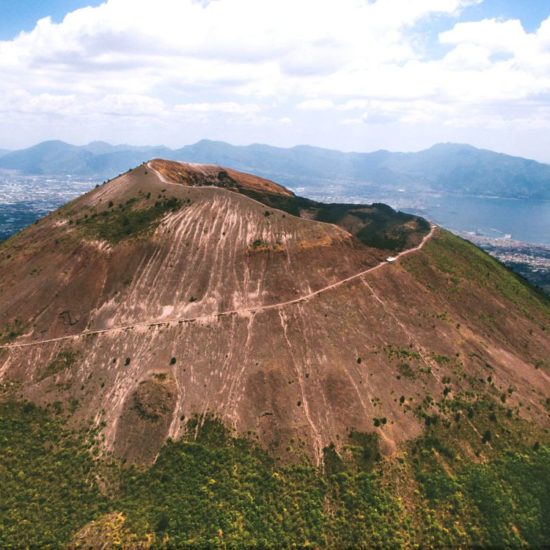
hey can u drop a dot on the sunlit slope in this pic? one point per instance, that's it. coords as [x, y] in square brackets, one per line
[154, 298]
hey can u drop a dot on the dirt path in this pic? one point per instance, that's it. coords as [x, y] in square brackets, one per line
[257, 309]
[168, 322]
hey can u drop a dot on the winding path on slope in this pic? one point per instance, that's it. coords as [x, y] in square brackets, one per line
[169, 322]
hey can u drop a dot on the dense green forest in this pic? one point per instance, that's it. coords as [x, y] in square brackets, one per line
[218, 491]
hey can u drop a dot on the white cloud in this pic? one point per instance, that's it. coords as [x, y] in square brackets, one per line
[491, 34]
[249, 62]
[128, 105]
[316, 104]
[220, 107]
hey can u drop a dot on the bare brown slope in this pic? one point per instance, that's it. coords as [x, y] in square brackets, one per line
[372, 351]
[208, 174]
[217, 251]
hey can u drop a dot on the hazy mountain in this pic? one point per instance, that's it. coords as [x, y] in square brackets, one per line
[115, 162]
[101, 148]
[450, 167]
[447, 168]
[95, 159]
[48, 157]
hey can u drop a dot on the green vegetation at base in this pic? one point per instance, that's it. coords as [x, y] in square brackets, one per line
[47, 479]
[483, 477]
[198, 494]
[117, 223]
[504, 503]
[215, 490]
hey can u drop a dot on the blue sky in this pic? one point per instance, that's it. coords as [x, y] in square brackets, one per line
[20, 16]
[344, 74]
[530, 12]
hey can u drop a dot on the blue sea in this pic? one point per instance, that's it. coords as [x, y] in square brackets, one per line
[518, 219]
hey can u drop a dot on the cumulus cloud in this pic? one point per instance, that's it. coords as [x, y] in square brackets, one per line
[490, 34]
[355, 61]
[316, 104]
[220, 107]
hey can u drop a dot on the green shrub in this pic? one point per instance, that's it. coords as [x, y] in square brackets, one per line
[126, 221]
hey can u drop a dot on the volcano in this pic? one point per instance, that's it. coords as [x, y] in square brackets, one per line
[179, 291]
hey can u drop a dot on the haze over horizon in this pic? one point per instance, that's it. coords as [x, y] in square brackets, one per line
[347, 75]
[176, 147]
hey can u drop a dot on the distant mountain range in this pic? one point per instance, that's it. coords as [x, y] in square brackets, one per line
[450, 168]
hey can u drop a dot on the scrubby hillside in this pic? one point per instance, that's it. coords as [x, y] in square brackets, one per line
[316, 393]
